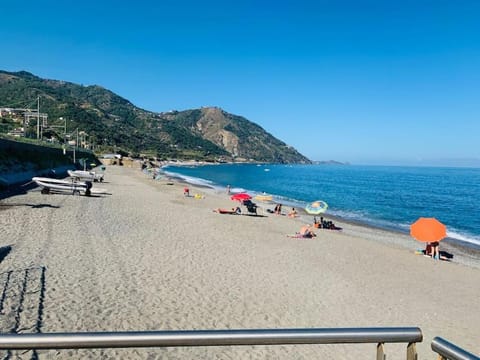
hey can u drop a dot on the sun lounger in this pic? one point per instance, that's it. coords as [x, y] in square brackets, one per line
[251, 206]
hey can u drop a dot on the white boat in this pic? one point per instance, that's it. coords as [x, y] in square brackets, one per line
[86, 175]
[71, 186]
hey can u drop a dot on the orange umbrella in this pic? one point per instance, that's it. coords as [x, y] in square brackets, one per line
[428, 230]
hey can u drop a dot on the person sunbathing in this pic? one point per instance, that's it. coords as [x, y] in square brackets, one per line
[307, 232]
[234, 211]
[304, 233]
[292, 213]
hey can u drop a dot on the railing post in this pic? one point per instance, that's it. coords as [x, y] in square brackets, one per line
[381, 351]
[412, 352]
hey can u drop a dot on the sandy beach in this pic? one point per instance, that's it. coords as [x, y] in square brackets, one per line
[145, 257]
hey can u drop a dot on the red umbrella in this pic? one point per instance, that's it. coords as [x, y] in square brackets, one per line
[241, 197]
[428, 230]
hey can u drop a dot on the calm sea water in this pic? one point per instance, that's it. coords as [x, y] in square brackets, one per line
[382, 196]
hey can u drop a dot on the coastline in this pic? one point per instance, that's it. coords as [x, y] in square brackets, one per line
[148, 258]
[464, 252]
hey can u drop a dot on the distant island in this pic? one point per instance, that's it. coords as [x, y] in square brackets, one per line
[329, 162]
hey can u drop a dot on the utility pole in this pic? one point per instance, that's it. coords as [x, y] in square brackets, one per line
[38, 117]
[75, 147]
[64, 129]
[64, 135]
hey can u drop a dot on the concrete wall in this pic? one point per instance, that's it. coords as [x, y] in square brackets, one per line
[20, 161]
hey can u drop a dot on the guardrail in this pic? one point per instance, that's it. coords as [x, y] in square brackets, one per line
[448, 351]
[89, 340]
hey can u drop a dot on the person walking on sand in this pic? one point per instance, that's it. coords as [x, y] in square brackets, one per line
[186, 191]
[228, 189]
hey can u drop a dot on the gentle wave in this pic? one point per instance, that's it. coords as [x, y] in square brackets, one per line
[191, 180]
[463, 237]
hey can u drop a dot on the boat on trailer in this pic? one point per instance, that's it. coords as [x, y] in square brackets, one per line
[71, 186]
[85, 175]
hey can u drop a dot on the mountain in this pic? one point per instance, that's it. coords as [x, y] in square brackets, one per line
[113, 122]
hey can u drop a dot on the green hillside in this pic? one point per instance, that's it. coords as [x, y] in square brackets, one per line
[113, 123]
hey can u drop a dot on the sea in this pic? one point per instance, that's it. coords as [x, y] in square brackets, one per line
[386, 197]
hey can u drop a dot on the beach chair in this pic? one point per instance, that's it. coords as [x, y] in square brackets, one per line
[251, 206]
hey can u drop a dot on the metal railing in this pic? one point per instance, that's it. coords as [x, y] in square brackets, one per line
[448, 351]
[380, 336]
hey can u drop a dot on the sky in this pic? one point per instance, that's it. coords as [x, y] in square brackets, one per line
[365, 82]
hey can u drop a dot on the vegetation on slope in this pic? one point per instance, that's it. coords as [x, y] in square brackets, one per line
[113, 122]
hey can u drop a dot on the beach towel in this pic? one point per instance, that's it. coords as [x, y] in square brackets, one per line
[445, 256]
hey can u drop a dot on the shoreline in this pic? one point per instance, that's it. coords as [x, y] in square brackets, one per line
[464, 252]
[469, 252]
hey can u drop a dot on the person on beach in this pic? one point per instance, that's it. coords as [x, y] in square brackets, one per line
[186, 191]
[278, 209]
[292, 213]
[306, 232]
[228, 189]
[432, 249]
[234, 211]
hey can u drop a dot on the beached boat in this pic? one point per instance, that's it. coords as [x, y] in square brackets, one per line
[71, 186]
[86, 175]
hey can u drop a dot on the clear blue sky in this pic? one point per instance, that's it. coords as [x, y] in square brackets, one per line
[379, 82]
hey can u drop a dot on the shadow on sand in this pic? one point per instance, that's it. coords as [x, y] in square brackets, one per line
[4, 251]
[33, 206]
[21, 305]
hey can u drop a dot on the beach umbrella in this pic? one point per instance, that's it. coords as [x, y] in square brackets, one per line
[428, 230]
[241, 197]
[316, 208]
